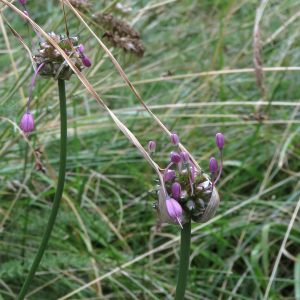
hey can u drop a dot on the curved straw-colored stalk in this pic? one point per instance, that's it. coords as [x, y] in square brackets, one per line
[59, 190]
[184, 263]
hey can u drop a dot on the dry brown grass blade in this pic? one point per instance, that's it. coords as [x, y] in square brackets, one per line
[127, 80]
[257, 60]
[124, 129]
[18, 37]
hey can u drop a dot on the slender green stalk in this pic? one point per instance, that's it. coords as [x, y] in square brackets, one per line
[184, 263]
[59, 190]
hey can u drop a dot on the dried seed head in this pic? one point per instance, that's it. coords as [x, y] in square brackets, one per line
[82, 5]
[133, 45]
[118, 27]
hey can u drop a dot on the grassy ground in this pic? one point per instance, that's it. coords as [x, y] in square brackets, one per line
[106, 218]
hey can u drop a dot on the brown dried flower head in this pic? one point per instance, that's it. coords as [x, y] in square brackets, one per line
[117, 26]
[82, 5]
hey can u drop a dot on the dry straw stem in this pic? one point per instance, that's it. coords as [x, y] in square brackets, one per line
[164, 216]
[11, 58]
[122, 127]
[127, 81]
[257, 60]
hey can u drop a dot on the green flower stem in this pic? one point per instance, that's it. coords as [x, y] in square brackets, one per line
[184, 262]
[59, 190]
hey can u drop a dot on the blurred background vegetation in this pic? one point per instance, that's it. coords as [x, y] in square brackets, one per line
[106, 218]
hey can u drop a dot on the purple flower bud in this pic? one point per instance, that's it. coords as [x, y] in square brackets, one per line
[80, 49]
[174, 139]
[174, 209]
[54, 36]
[151, 146]
[27, 123]
[170, 175]
[190, 205]
[203, 185]
[86, 61]
[25, 13]
[220, 141]
[175, 157]
[213, 165]
[44, 45]
[56, 53]
[184, 157]
[176, 190]
[22, 2]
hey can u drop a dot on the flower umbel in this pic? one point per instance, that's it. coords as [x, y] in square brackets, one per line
[192, 190]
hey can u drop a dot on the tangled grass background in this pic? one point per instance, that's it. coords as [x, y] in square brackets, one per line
[197, 76]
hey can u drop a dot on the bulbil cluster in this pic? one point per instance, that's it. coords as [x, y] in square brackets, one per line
[187, 190]
[54, 63]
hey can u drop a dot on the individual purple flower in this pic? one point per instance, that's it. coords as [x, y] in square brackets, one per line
[186, 160]
[190, 205]
[184, 157]
[175, 139]
[151, 147]
[27, 123]
[213, 167]
[203, 185]
[175, 157]
[22, 2]
[174, 209]
[86, 61]
[54, 36]
[169, 175]
[220, 141]
[81, 49]
[176, 190]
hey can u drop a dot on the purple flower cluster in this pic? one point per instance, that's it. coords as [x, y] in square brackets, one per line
[191, 191]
